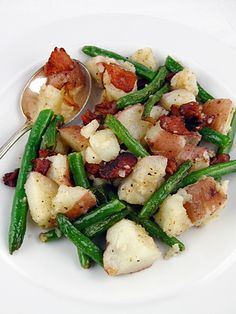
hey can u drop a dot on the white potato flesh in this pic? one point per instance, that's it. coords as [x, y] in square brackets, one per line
[177, 97]
[59, 170]
[40, 191]
[146, 57]
[105, 144]
[72, 201]
[172, 216]
[131, 118]
[91, 157]
[129, 249]
[90, 128]
[61, 146]
[50, 98]
[148, 174]
[158, 111]
[185, 79]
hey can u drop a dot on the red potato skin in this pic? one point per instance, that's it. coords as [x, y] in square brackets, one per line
[72, 136]
[82, 206]
[206, 199]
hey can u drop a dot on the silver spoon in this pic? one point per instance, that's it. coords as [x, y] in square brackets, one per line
[28, 103]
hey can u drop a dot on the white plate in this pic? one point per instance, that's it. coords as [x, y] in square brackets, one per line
[55, 266]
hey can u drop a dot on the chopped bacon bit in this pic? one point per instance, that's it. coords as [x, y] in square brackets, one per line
[41, 165]
[92, 169]
[10, 178]
[174, 125]
[106, 108]
[88, 116]
[170, 75]
[121, 78]
[220, 159]
[58, 62]
[120, 167]
[171, 167]
[192, 114]
[43, 153]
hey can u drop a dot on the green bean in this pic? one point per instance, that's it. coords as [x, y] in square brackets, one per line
[83, 243]
[141, 70]
[142, 95]
[174, 66]
[96, 216]
[156, 231]
[231, 134]
[49, 140]
[123, 134]
[215, 171]
[76, 164]
[102, 226]
[151, 206]
[100, 193]
[217, 138]
[84, 259]
[20, 205]
[153, 99]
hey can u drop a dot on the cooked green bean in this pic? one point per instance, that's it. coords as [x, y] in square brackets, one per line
[123, 134]
[153, 99]
[76, 164]
[217, 138]
[96, 216]
[141, 70]
[215, 171]
[102, 226]
[84, 259]
[231, 134]
[156, 231]
[142, 95]
[174, 66]
[49, 140]
[165, 189]
[100, 193]
[83, 243]
[20, 205]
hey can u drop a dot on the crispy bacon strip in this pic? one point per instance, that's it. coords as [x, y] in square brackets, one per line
[58, 62]
[174, 125]
[121, 78]
[41, 165]
[171, 166]
[10, 178]
[92, 169]
[219, 159]
[88, 116]
[105, 108]
[120, 167]
[43, 153]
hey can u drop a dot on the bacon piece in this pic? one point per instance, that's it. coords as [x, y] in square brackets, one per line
[43, 153]
[88, 116]
[219, 159]
[92, 169]
[120, 167]
[10, 178]
[105, 108]
[41, 165]
[121, 78]
[58, 62]
[174, 125]
[171, 166]
[206, 199]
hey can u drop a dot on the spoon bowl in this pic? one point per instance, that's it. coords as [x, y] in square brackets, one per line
[29, 98]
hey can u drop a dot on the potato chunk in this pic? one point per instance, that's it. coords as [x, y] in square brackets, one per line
[177, 97]
[129, 249]
[185, 79]
[73, 137]
[73, 201]
[59, 170]
[105, 144]
[146, 57]
[147, 176]
[131, 118]
[90, 128]
[40, 191]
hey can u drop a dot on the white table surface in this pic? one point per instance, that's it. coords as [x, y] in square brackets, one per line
[211, 16]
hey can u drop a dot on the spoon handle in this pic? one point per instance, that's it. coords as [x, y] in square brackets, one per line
[14, 138]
